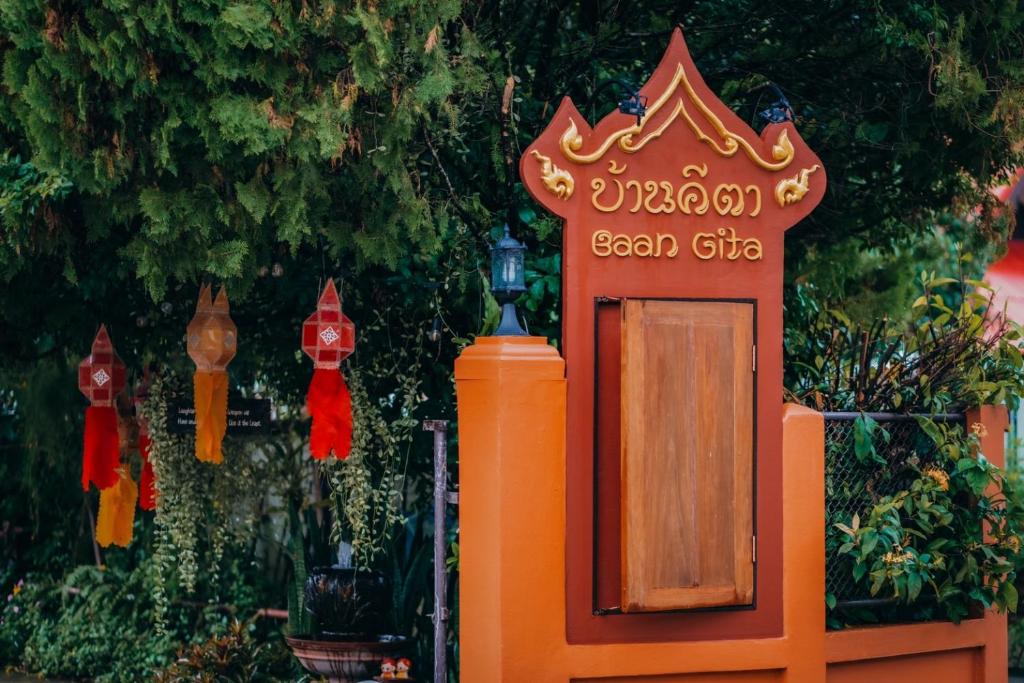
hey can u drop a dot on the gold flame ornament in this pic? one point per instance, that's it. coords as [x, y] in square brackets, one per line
[117, 512]
[212, 343]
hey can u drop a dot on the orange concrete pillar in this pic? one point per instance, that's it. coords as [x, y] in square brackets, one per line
[996, 422]
[511, 409]
[803, 542]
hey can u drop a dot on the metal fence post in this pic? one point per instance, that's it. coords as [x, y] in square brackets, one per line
[440, 616]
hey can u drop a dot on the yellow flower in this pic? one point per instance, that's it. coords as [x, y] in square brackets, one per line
[1012, 543]
[979, 430]
[896, 556]
[938, 476]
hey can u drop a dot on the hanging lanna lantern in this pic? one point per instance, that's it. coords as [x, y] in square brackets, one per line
[212, 342]
[328, 337]
[101, 378]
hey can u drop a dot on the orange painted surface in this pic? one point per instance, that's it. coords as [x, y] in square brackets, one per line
[733, 677]
[958, 666]
[936, 652]
[512, 477]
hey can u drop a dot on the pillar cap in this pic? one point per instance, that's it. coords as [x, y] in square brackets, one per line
[488, 357]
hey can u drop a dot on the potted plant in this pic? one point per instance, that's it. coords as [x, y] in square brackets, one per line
[340, 611]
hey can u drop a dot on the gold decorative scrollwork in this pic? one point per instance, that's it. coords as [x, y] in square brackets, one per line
[614, 168]
[791, 190]
[558, 181]
[729, 143]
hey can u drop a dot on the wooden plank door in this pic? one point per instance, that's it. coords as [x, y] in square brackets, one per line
[687, 454]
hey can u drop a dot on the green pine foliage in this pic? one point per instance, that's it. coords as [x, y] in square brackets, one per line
[202, 133]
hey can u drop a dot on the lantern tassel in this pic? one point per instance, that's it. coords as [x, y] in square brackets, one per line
[211, 398]
[147, 480]
[330, 406]
[102, 449]
[117, 512]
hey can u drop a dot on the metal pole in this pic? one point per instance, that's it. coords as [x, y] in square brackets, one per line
[440, 616]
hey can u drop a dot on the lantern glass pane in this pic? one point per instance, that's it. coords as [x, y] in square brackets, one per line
[518, 273]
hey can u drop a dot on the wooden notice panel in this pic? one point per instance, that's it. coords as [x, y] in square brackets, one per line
[687, 454]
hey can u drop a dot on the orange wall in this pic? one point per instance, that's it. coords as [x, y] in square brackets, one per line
[512, 469]
[958, 666]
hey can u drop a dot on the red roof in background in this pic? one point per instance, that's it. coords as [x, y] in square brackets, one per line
[1011, 190]
[1006, 275]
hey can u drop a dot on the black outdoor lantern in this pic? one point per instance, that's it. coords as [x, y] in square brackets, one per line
[508, 281]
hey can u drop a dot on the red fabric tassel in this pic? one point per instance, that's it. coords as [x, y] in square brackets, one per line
[330, 406]
[147, 480]
[102, 452]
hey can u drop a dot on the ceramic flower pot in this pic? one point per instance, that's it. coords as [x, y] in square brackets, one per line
[342, 661]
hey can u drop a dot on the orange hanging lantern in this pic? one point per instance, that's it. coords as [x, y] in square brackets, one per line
[117, 511]
[328, 337]
[212, 342]
[101, 378]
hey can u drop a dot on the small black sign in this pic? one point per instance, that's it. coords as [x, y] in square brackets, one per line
[246, 416]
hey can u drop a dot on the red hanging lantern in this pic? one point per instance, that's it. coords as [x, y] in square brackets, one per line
[101, 378]
[212, 343]
[328, 337]
[147, 479]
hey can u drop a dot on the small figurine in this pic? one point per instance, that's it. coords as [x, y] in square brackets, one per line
[402, 668]
[387, 669]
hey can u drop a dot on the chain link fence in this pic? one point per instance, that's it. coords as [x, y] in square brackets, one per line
[852, 486]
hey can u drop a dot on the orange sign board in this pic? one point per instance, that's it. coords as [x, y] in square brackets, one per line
[688, 203]
[690, 182]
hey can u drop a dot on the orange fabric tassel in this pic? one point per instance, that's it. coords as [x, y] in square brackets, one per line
[211, 399]
[147, 480]
[117, 512]
[102, 450]
[330, 406]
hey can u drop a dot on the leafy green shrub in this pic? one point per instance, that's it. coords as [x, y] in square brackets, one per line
[949, 355]
[950, 539]
[235, 656]
[95, 624]
[955, 533]
[99, 623]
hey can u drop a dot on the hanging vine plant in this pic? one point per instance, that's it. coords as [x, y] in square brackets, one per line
[367, 487]
[201, 508]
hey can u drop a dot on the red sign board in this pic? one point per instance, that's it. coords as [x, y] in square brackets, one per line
[688, 203]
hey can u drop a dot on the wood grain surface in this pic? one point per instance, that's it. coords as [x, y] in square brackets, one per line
[687, 454]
